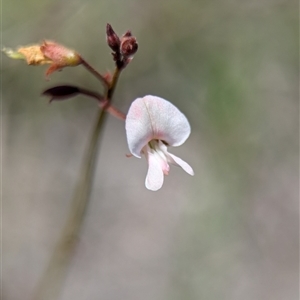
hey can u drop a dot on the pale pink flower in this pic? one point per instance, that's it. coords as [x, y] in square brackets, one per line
[152, 124]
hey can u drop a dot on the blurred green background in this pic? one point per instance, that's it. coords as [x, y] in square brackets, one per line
[231, 231]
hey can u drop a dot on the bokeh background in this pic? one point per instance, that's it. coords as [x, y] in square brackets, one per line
[231, 231]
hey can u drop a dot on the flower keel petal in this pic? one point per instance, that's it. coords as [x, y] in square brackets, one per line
[155, 175]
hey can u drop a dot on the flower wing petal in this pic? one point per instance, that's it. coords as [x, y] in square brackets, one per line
[155, 175]
[175, 160]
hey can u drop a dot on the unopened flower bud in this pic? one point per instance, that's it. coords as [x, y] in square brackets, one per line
[127, 33]
[129, 45]
[112, 39]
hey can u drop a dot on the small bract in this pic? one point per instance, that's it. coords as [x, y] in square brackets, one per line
[152, 124]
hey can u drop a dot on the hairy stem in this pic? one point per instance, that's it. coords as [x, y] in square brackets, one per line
[52, 280]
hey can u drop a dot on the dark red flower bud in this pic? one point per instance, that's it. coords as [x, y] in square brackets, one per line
[127, 33]
[112, 38]
[129, 46]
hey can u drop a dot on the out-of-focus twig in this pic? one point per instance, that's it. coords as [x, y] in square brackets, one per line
[53, 279]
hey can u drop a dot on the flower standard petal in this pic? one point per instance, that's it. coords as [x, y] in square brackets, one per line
[168, 122]
[138, 127]
[153, 117]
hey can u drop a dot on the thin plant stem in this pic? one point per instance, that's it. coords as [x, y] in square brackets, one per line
[94, 72]
[103, 103]
[52, 280]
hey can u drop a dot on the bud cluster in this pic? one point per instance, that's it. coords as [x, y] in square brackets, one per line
[123, 48]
